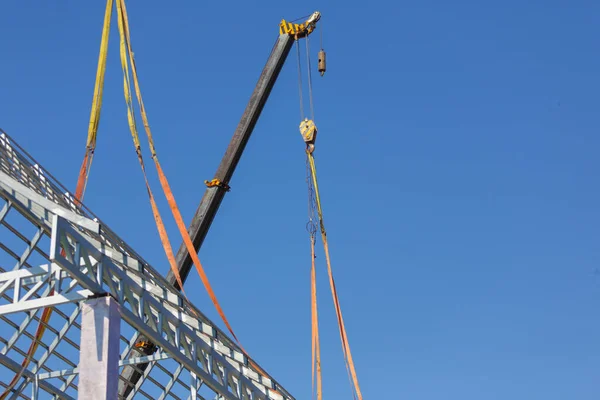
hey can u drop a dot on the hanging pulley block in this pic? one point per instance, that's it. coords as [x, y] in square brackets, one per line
[322, 62]
[308, 130]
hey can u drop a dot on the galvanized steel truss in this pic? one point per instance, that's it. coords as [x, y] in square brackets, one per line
[54, 254]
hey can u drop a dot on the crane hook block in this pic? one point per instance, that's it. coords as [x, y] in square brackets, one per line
[308, 130]
[322, 62]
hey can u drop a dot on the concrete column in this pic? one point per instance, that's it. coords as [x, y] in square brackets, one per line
[99, 349]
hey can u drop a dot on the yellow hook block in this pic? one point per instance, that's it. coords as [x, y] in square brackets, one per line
[308, 130]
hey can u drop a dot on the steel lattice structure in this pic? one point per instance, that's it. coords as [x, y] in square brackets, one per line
[54, 254]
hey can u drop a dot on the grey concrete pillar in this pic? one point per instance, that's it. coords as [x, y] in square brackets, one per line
[99, 349]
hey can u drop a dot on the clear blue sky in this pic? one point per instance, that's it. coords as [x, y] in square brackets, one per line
[458, 160]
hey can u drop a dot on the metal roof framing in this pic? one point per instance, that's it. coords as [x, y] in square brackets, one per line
[38, 220]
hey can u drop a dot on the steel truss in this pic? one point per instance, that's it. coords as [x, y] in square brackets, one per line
[54, 254]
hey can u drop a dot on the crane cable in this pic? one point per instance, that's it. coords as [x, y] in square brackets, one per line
[316, 375]
[300, 80]
[82, 179]
[313, 189]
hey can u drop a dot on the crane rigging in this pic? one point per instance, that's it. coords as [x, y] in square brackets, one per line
[308, 130]
[289, 32]
[194, 235]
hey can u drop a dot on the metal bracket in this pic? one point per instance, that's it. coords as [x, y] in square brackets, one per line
[217, 183]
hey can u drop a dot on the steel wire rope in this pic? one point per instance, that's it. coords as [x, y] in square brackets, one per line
[300, 80]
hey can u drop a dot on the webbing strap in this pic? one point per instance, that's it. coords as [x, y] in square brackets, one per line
[83, 173]
[190, 246]
[80, 188]
[126, 41]
[138, 92]
[338, 309]
[124, 47]
[169, 194]
[316, 348]
[96, 107]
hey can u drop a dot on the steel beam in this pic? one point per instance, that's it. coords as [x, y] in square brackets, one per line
[133, 361]
[222, 369]
[39, 276]
[16, 189]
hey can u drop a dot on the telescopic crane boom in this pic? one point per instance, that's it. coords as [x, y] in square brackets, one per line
[219, 185]
[214, 194]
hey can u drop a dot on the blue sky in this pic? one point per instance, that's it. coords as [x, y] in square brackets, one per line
[457, 157]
